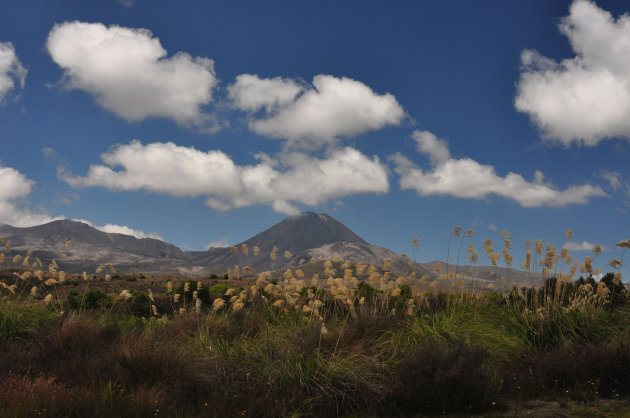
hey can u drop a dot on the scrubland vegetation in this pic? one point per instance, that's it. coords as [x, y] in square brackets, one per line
[352, 343]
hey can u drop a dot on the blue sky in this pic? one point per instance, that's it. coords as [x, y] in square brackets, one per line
[207, 122]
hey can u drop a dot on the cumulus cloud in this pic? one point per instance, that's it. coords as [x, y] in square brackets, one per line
[467, 178]
[123, 229]
[252, 93]
[316, 115]
[174, 170]
[128, 73]
[436, 149]
[15, 187]
[11, 70]
[586, 98]
[581, 246]
[221, 243]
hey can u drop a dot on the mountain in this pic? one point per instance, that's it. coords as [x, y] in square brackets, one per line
[304, 231]
[54, 235]
[306, 236]
[295, 234]
[90, 247]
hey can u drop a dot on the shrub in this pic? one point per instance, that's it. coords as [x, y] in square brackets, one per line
[366, 291]
[617, 291]
[203, 293]
[438, 379]
[218, 290]
[140, 304]
[400, 301]
[19, 320]
[92, 299]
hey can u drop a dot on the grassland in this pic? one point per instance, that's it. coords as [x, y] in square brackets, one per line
[105, 345]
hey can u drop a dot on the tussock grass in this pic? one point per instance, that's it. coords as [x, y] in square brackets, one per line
[448, 354]
[353, 342]
[18, 319]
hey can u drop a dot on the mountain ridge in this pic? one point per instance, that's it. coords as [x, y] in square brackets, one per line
[306, 236]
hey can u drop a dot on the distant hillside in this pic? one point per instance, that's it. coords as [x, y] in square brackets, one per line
[307, 236]
[91, 247]
[54, 235]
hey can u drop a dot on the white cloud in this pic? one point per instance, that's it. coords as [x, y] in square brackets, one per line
[252, 93]
[467, 178]
[221, 243]
[613, 178]
[128, 73]
[11, 70]
[15, 187]
[66, 198]
[586, 98]
[583, 246]
[169, 169]
[123, 229]
[313, 116]
[427, 143]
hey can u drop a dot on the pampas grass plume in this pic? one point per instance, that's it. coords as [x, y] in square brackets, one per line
[218, 304]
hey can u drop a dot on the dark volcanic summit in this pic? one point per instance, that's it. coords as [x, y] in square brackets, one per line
[296, 234]
[303, 232]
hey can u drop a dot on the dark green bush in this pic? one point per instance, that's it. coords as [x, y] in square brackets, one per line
[400, 301]
[366, 291]
[617, 291]
[140, 304]
[437, 379]
[218, 290]
[203, 293]
[92, 299]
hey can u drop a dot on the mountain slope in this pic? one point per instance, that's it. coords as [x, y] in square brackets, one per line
[302, 232]
[296, 234]
[307, 236]
[91, 247]
[54, 235]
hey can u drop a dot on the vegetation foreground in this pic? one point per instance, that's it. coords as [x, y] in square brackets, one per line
[77, 346]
